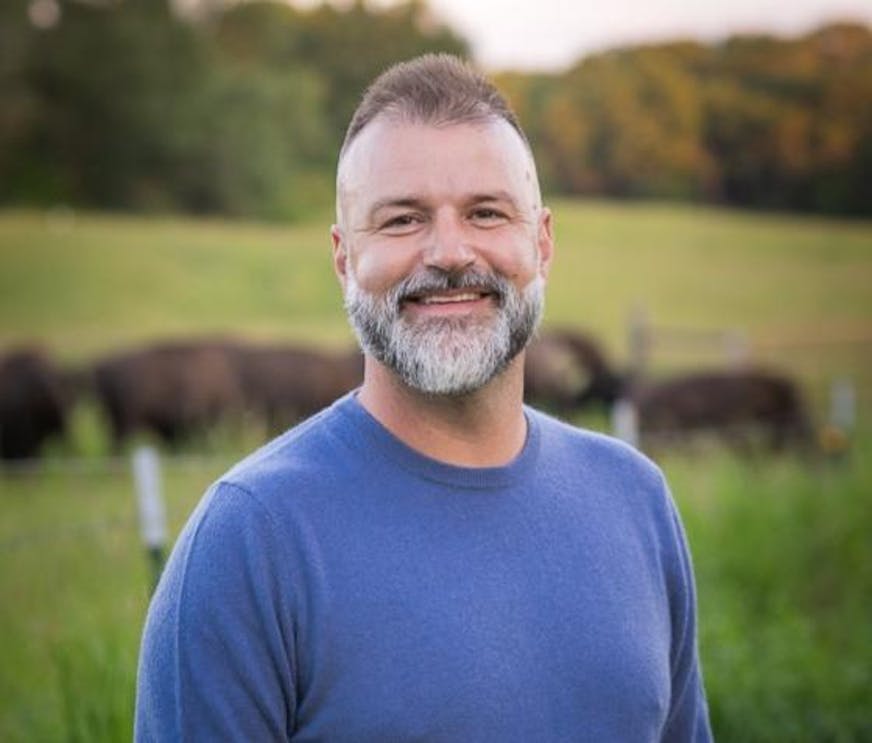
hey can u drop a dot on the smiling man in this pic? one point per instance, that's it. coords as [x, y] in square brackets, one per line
[428, 559]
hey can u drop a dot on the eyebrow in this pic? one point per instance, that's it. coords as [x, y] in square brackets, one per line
[498, 195]
[417, 202]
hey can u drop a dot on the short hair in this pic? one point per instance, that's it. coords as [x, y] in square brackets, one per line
[438, 89]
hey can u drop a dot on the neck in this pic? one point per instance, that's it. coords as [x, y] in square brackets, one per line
[485, 428]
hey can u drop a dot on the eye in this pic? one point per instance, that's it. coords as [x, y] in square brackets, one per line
[401, 224]
[488, 216]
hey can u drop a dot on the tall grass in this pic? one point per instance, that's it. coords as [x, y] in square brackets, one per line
[74, 583]
[784, 567]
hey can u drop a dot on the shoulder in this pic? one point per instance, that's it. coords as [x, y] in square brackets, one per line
[620, 491]
[303, 458]
[614, 481]
[266, 496]
[595, 453]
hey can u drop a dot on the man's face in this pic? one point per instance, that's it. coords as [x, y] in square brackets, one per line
[442, 249]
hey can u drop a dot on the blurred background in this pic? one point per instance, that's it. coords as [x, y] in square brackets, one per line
[216, 107]
[166, 190]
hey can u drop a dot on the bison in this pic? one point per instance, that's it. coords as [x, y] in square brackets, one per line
[172, 389]
[745, 408]
[33, 402]
[565, 370]
[286, 383]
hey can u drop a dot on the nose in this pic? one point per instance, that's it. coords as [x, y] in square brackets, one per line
[449, 248]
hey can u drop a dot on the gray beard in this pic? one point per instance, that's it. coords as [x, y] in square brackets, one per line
[445, 356]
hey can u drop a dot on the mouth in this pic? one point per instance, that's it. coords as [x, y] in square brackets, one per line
[448, 297]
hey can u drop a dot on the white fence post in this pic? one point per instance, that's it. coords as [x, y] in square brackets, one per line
[737, 348]
[843, 404]
[625, 422]
[152, 514]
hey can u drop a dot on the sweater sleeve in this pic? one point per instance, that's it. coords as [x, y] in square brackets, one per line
[217, 651]
[687, 720]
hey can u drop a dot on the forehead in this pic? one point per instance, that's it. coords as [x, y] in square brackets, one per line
[400, 158]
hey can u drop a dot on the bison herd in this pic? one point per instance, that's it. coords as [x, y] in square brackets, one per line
[174, 390]
[178, 390]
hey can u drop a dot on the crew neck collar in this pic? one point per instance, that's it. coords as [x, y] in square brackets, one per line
[363, 431]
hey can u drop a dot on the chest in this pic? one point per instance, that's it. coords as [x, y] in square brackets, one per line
[483, 628]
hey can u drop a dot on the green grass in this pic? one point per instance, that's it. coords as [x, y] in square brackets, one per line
[98, 281]
[781, 548]
[784, 568]
[89, 281]
[710, 268]
[74, 581]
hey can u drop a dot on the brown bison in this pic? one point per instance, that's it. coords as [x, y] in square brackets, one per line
[745, 408]
[171, 389]
[33, 402]
[286, 383]
[566, 370]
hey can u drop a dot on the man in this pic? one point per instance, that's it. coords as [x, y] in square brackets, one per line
[427, 559]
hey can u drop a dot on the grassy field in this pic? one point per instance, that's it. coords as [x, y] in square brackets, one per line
[782, 548]
[797, 286]
[83, 283]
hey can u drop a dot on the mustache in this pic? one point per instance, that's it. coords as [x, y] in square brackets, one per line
[433, 280]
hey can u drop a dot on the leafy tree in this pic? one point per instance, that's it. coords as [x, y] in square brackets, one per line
[625, 123]
[351, 46]
[18, 104]
[257, 144]
[111, 85]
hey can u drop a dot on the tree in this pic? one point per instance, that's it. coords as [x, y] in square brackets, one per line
[112, 84]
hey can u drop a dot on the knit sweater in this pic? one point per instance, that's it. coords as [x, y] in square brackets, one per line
[339, 586]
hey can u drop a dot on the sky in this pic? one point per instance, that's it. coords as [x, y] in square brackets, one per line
[552, 34]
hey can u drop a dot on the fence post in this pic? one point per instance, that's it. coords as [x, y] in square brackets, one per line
[843, 404]
[737, 348]
[625, 422]
[152, 514]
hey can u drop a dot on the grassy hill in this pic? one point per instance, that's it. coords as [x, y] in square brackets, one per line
[797, 286]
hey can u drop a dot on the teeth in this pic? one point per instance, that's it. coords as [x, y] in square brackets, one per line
[444, 299]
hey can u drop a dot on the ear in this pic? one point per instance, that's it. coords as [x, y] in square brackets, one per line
[545, 241]
[340, 254]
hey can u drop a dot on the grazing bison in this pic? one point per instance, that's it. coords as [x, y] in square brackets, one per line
[566, 370]
[173, 389]
[32, 402]
[744, 408]
[285, 383]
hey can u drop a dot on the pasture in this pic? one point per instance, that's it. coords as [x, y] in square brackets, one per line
[782, 547]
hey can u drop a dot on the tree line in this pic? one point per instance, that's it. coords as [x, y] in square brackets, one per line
[754, 121]
[241, 109]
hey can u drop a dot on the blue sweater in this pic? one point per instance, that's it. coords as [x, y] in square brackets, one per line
[339, 586]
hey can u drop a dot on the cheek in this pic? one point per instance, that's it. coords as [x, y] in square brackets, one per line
[517, 259]
[378, 267]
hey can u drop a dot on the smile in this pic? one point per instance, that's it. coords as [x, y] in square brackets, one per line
[450, 298]
[456, 296]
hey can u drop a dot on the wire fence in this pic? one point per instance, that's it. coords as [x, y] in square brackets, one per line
[825, 360]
